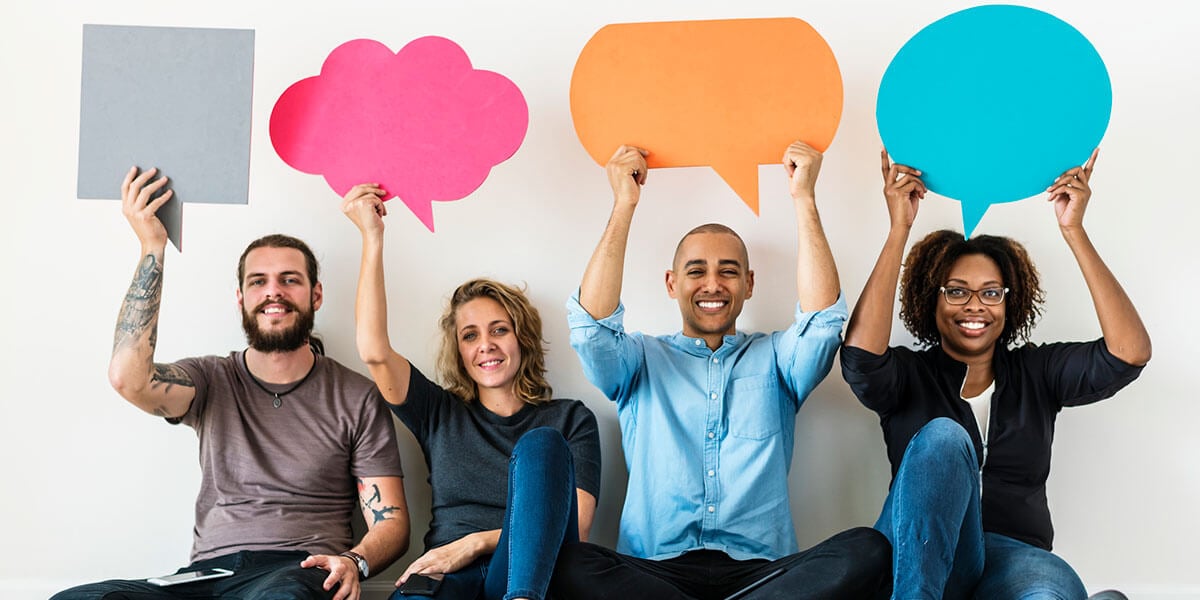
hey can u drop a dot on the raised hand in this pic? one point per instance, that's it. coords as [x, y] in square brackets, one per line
[903, 190]
[627, 173]
[1071, 192]
[139, 207]
[364, 206]
[802, 163]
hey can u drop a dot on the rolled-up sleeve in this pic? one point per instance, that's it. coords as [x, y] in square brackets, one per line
[875, 379]
[804, 351]
[610, 357]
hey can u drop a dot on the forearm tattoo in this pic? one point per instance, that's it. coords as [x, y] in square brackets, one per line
[383, 513]
[139, 311]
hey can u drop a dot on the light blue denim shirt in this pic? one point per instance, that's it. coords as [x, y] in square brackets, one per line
[707, 434]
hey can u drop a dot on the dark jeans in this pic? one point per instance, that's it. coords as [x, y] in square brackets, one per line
[541, 516]
[263, 575]
[852, 564]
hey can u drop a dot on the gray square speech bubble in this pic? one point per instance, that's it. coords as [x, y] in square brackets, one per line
[176, 98]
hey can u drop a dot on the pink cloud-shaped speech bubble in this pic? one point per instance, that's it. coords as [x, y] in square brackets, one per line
[421, 122]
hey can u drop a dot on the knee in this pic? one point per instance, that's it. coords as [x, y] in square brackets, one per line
[941, 437]
[871, 548]
[542, 442]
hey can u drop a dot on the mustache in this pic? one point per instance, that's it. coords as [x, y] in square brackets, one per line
[284, 302]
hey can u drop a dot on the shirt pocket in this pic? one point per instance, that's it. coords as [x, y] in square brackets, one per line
[753, 407]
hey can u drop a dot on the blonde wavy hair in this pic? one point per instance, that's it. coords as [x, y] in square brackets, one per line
[530, 385]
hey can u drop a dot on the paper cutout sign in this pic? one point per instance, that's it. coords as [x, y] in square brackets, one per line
[730, 94]
[176, 98]
[992, 104]
[421, 122]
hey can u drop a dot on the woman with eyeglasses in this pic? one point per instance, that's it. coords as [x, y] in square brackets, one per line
[968, 419]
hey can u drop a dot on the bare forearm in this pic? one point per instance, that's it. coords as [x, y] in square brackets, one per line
[817, 283]
[385, 542]
[600, 292]
[1122, 327]
[871, 322]
[370, 306]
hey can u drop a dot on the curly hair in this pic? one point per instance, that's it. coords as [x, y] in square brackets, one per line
[928, 265]
[530, 385]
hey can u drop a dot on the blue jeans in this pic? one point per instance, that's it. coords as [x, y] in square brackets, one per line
[541, 516]
[939, 549]
[258, 575]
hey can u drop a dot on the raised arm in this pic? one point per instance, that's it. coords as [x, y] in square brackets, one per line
[159, 389]
[1124, 333]
[364, 207]
[600, 292]
[817, 283]
[870, 324]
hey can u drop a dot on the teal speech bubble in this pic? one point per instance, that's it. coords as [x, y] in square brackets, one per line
[992, 104]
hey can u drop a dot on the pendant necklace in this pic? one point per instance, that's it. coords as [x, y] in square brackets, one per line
[278, 401]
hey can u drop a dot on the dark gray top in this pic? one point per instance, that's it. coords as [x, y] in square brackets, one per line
[467, 447]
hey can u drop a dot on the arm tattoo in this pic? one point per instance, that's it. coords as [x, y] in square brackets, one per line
[169, 376]
[139, 311]
[380, 514]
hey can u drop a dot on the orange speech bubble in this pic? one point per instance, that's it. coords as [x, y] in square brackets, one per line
[731, 94]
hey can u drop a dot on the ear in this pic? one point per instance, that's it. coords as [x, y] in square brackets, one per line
[670, 281]
[240, 300]
[749, 283]
[318, 295]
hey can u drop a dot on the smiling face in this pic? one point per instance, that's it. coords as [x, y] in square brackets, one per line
[488, 345]
[277, 301]
[969, 331]
[711, 280]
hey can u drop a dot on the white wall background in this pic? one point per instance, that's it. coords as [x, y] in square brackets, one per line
[94, 489]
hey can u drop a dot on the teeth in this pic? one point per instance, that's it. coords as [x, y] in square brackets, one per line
[490, 363]
[273, 311]
[972, 325]
[710, 304]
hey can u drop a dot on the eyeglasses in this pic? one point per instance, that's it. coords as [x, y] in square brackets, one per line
[960, 295]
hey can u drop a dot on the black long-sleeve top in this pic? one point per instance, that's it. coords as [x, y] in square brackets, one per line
[908, 388]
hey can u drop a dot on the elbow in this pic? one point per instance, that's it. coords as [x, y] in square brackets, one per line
[125, 385]
[1134, 354]
[374, 353]
[1143, 354]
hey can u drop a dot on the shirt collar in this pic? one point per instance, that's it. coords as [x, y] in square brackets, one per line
[698, 347]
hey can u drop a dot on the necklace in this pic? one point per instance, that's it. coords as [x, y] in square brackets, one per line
[278, 401]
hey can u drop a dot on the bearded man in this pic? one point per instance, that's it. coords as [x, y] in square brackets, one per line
[290, 440]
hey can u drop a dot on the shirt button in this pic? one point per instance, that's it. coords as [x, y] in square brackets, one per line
[716, 360]
[711, 435]
[712, 509]
[711, 472]
[698, 342]
[713, 395]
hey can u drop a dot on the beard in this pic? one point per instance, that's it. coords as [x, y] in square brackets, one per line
[285, 340]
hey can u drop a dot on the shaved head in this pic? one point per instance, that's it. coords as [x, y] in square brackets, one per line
[712, 228]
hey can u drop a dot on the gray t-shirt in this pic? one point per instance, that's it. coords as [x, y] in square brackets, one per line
[283, 478]
[467, 448]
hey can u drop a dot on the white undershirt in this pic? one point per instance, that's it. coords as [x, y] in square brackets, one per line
[981, 405]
